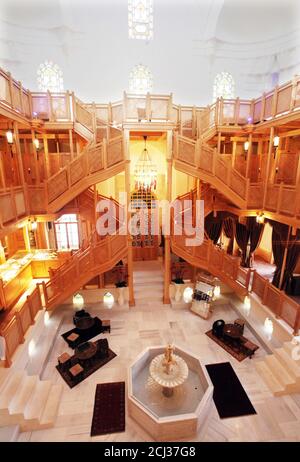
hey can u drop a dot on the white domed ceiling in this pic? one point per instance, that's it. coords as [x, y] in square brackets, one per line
[193, 40]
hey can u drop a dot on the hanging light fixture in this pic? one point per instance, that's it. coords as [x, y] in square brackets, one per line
[145, 172]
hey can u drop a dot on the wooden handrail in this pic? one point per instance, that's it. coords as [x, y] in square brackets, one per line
[215, 260]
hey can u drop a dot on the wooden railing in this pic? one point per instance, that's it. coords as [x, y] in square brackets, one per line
[282, 100]
[14, 96]
[192, 121]
[94, 159]
[13, 205]
[227, 267]
[96, 258]
[277, 301]
[16, 323]
[207, 161]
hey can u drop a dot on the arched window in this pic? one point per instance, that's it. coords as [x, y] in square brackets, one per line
[224, 86]
[140, 19]
[140, 79]
[50, 77]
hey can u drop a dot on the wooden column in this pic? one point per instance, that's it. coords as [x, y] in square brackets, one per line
[233, 154]
[71, 144]
[35, 158]
[249, 153]
[2, 171]
[19, 154]
[26, 238]
[284, 258]
[270, 153]
[46, 154]
[129, 237]
[167, 255]
[95, 205]
[167, 270]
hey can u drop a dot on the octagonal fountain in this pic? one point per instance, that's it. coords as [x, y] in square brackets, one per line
[169, 395]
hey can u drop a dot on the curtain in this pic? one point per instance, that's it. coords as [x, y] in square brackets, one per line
[242, 239]
[213, 227]
[229, 230]
[279, 241]
[255, 234]
[291, 261]
[248, 237]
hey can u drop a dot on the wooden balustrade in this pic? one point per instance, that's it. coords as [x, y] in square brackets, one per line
[95, 158]
[192, 121]
[215, 260]
[98, 257]
[16, 322]
[12, 205]
[277, 301]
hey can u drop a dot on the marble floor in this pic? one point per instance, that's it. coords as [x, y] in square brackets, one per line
[132, 330]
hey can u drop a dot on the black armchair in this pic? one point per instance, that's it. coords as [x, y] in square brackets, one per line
[102, 348]
[83, 320]
[218, 327]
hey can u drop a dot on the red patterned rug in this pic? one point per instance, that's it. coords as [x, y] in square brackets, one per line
[109, 409]
[235, 352]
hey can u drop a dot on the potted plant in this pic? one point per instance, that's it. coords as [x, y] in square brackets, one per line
[121, 282]
[178, 280]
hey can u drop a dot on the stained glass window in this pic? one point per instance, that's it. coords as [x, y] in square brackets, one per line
[50, 77]
[140, 79]
[140, 19]
[224, 86]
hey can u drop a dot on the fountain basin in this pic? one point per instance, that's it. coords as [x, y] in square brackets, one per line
[173, 417]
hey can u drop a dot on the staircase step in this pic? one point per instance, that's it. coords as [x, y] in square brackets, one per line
[4, 373]
[266, 374]
[9, 389]
[38, 400]
[155, 284]
[51, 408]
[279, 371]
[9, 434]
[22, 395]
[286, 360]
[291, 348]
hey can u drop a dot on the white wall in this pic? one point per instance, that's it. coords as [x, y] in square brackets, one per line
[193, 40]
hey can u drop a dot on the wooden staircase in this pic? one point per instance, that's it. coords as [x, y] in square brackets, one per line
[280, 371]
[27, 401]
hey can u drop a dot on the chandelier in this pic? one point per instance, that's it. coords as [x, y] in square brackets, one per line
[145, 172]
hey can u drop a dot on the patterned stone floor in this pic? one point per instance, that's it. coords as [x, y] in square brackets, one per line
[277, 419]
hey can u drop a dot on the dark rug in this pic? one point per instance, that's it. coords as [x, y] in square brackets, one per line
[230, 398]
[109, 409]
[84, 334]
[92, 367]
[234, 351]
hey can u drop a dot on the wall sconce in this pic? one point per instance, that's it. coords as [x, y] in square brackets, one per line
[108, 299]
[217, 292]
[246, 148]
[32, 225]
[260, 218]
[36, 142]
[10, 140]
[9, 137]
[268, 324]
[78, 302]
[275, 144]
